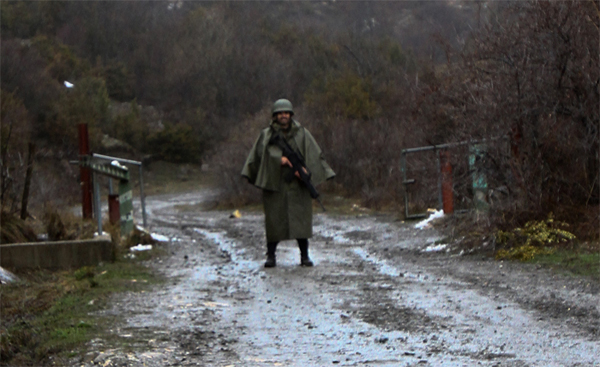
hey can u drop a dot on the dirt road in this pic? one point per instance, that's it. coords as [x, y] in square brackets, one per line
[378, 296]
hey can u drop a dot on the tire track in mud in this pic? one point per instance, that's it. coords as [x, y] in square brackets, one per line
[373, 299]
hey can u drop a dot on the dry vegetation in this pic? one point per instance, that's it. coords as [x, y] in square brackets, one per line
[367, 78]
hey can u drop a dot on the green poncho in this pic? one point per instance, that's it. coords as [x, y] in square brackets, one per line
[287, 205]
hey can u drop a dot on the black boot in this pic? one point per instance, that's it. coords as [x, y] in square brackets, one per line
[271, 247]
[304, 258]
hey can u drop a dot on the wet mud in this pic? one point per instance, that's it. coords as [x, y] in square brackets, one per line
[377, 296]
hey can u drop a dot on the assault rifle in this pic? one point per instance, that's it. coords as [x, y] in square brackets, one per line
[298, 165]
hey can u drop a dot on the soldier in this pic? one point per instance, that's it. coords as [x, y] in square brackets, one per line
[287, 203]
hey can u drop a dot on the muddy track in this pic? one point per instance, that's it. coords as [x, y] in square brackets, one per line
[374, 298]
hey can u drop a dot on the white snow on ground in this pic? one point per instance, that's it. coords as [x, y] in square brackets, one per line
[424, 223]
[141, 247]
[6, 276]
[435, 248]
[159, 237]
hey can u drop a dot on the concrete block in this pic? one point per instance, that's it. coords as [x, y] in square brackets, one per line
[57, 255]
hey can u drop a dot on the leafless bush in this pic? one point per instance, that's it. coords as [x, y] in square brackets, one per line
[367, 75]
[228, 161]
[62, 224]
[15, 134]
[15, 230]
[364, 155]
[531, 74]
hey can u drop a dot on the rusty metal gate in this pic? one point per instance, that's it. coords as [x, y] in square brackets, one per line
[423, 177]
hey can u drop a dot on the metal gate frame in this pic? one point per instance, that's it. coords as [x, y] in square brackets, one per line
[125, 187]
[478, 181]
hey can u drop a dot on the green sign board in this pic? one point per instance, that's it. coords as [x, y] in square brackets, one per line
[125, 194]
[110, 170]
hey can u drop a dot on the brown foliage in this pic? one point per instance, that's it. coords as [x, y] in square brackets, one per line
[64, 225]
[15, 133]
[15, 230]
[363, 155]
[229, 160]
[530, 74]
[55, 227]
[367, 74]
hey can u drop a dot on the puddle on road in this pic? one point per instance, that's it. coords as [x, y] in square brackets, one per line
[161, 202]
[350, 232]
[305, 320]
[480, 326]
[370, 231]
[289, 316]
[384, 268]
[228, 246]
[497, 328]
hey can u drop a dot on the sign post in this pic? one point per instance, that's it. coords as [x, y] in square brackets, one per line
[125, 195]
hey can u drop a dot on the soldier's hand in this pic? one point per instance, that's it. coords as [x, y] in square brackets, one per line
[298, 173]
[286, 162]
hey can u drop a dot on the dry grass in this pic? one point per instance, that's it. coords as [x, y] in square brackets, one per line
[53, 313]
[14, 230]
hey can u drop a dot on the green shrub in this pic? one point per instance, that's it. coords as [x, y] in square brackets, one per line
[87, 102]
[176, 143]
[346, 95]
[130, 128]
[119, 82]
[61, 62]
[84, 273]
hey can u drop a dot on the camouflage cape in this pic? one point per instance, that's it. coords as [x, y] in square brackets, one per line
[287, 205]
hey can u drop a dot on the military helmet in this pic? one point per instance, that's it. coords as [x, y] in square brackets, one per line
[282, 105]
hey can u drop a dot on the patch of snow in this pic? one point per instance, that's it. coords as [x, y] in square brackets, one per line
[141, 247]
[116, 163]
[435, 248]
[425, 223]
[7, 277]
[159, 237]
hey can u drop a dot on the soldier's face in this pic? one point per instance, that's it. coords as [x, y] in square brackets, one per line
[283, 119]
